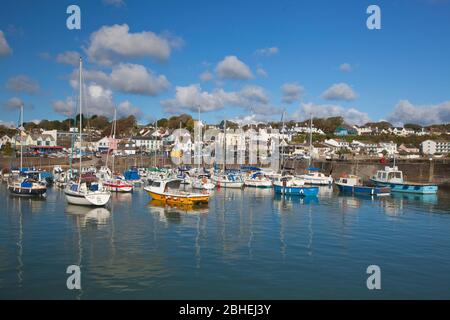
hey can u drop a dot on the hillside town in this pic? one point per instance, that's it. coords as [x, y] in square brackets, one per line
[332, 139]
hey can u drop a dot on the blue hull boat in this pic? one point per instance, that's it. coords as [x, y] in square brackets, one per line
[420, 188]
[365, 190]
[297, 191]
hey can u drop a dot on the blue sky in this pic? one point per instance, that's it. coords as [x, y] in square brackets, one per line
[257, 59]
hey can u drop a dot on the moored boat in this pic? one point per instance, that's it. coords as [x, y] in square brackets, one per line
[229, 180]
[202, 182]
[353, 184]
[314, 176]
[392, 177]
[257, 180]
[169, 191]
[288, 185]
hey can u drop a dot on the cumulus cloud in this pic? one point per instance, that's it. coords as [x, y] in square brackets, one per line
[14, 103]
[351, 115]
[339, 91]
[250, 98]
[8, 124]
[261, 72]
[233, 68]
[133, 78]
[406, 112]
[126, 109]
[68, 57]
[206, 76]
[127, 78]
[270, 51]
[22, 83]
[346, 67]
[111, 43]
[292, 92]
[97, 100]
[5, 49]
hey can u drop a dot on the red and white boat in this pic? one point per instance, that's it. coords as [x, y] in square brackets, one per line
[118, 184]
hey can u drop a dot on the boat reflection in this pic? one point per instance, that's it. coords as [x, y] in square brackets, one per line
[174, 213]
[423, 198]
[122, 196]
[326, 191]
[86, 215]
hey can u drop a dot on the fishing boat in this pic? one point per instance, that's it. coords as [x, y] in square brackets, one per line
[257, 180]
[202, 182]
[86, 190]
[314, 176]
[169, 192]
[20, 183]
[289, 185]
[353, 184]
[393, 178]
[132, 176]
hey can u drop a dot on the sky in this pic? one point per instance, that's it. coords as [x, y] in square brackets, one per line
[247, 60]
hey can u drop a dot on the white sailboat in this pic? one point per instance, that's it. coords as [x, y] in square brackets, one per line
[224, 179]
[81, 192]
[21, 183]
[313, 175]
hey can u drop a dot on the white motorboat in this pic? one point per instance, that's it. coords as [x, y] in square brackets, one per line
[314, 176]
[202, 182]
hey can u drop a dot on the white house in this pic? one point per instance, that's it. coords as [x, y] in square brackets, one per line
[432, 147]
[363, 130]
[148, 143]
[4, 140]
[336, 144]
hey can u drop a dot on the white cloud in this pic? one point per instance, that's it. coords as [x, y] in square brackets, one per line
[250, 98]
[68, 57]
[22, 83]
[233, 68]
[114, 3]
[126, 109]
[406, 112]
[111, 43]
[66, 108]
[270, 51]
[339, 91]
[261, 72]
[292, 92]
[8, 124]
[97, 101]
[346, 67]
[351, 116]
[5, 49]
[14, 103]
[127, 78]
[206, 76]
[133, 78]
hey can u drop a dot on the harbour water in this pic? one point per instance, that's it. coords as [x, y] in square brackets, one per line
[247, 244]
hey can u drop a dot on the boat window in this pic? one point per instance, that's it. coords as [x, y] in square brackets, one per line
[156, 184]
[344, 180]
[398, 175]
[384, 175]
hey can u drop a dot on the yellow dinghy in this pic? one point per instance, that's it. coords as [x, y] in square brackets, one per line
[168, 191]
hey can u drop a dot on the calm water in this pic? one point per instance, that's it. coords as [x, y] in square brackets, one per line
[247, 244]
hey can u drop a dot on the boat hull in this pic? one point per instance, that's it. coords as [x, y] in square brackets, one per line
[258, 184]
[30, 192]
[297, 191]
[365, 190]
[97, 199]
[408, 187]
[175, 199]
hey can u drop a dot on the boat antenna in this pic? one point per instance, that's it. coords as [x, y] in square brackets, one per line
[81, 112]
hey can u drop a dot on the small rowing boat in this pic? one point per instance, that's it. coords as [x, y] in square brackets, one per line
[169, 191]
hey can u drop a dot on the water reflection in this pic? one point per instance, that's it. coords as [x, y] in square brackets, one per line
[86, 215]
[174, 213]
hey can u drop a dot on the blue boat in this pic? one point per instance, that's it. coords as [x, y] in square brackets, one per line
[288, 185]
[393, 178]
[132, 175]
[353, 184]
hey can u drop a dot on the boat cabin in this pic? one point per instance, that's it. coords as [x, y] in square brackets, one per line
[389, 174]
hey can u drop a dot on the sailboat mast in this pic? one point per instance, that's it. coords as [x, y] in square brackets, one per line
[198, 141]
[81, 111]
[310, 141]
[21, 142]
[224, 145]
[114, 139]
